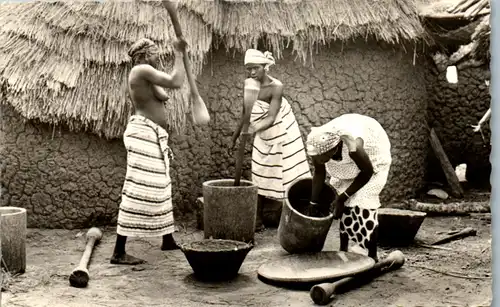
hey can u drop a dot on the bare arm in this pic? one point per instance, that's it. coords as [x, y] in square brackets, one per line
[273, 109]
[318, 180]
[250, 95]
[485, 117]
[156, 77]
[360, 157]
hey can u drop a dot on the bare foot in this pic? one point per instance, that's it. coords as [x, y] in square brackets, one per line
[126, 259]
[169, 244]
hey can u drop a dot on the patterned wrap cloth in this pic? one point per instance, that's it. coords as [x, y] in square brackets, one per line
[278, 155]
[146, 207]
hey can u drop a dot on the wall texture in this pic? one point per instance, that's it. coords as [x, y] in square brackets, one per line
[63, 179]
[362, 78]
[73, 180]
[452, 109]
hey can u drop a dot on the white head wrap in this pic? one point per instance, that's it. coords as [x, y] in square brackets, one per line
[254, 56]
[320, 141]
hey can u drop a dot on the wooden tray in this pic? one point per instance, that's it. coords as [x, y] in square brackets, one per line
[316, 267]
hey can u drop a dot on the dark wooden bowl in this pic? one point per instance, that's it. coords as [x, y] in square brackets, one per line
[398, 227]
[216, 259]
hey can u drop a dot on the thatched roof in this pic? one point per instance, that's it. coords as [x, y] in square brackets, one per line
[66, 62]
[454, 9]
[472, 29]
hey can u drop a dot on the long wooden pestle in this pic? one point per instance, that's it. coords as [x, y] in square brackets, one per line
[79, 278]
[250, 95]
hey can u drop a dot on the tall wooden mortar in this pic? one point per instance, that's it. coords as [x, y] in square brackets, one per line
[229, 211]
[13, 243]
[297, 232]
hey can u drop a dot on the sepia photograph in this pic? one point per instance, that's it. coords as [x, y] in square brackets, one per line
[202, 153]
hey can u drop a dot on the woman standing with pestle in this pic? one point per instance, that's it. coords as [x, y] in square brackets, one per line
[278, 155]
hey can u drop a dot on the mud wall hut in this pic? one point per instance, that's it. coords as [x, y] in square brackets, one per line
[63, 69]
[460, 31]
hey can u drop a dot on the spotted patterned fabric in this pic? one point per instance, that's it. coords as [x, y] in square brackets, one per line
[378, 148]
[319, 141]
[359, 224]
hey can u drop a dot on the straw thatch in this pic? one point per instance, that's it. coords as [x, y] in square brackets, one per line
[66, 62]
[472, 30]
[479, 47]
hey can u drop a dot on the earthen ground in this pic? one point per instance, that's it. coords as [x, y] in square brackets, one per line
[167, 279]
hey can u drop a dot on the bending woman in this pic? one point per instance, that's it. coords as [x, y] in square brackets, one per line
[355, 151]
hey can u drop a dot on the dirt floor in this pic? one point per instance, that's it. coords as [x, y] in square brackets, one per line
[168, 281]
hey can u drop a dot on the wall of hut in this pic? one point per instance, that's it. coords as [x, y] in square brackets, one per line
[72, 180]
[453, 108]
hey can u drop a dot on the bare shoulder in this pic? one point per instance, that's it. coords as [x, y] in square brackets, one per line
[141, 69]
[140, 73]
[277, 86]
[276, 82]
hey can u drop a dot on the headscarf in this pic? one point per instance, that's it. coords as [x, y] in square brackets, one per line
[144, 47]
[320, 141]
[255, 56]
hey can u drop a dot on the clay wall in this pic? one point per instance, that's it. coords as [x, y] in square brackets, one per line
[73, 180]
[453, 108]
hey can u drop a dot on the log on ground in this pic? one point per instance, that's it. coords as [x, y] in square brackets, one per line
[444, 209]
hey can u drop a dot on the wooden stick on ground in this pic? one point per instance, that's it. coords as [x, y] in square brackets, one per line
[449, 172]
[459, 235]
[453, 274]
[434, 247]
[443, 209]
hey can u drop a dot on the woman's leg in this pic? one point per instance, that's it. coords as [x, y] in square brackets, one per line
[345, 229]
[360, 226]
[168, 243]
[369, 231]
[271, 212]
[258, 222]
[120, 256]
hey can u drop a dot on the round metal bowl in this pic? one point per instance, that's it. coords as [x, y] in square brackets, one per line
[216, 259]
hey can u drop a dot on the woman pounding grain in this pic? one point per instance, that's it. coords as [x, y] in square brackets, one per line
[146, 206]
[278, 155]
[355, 151]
